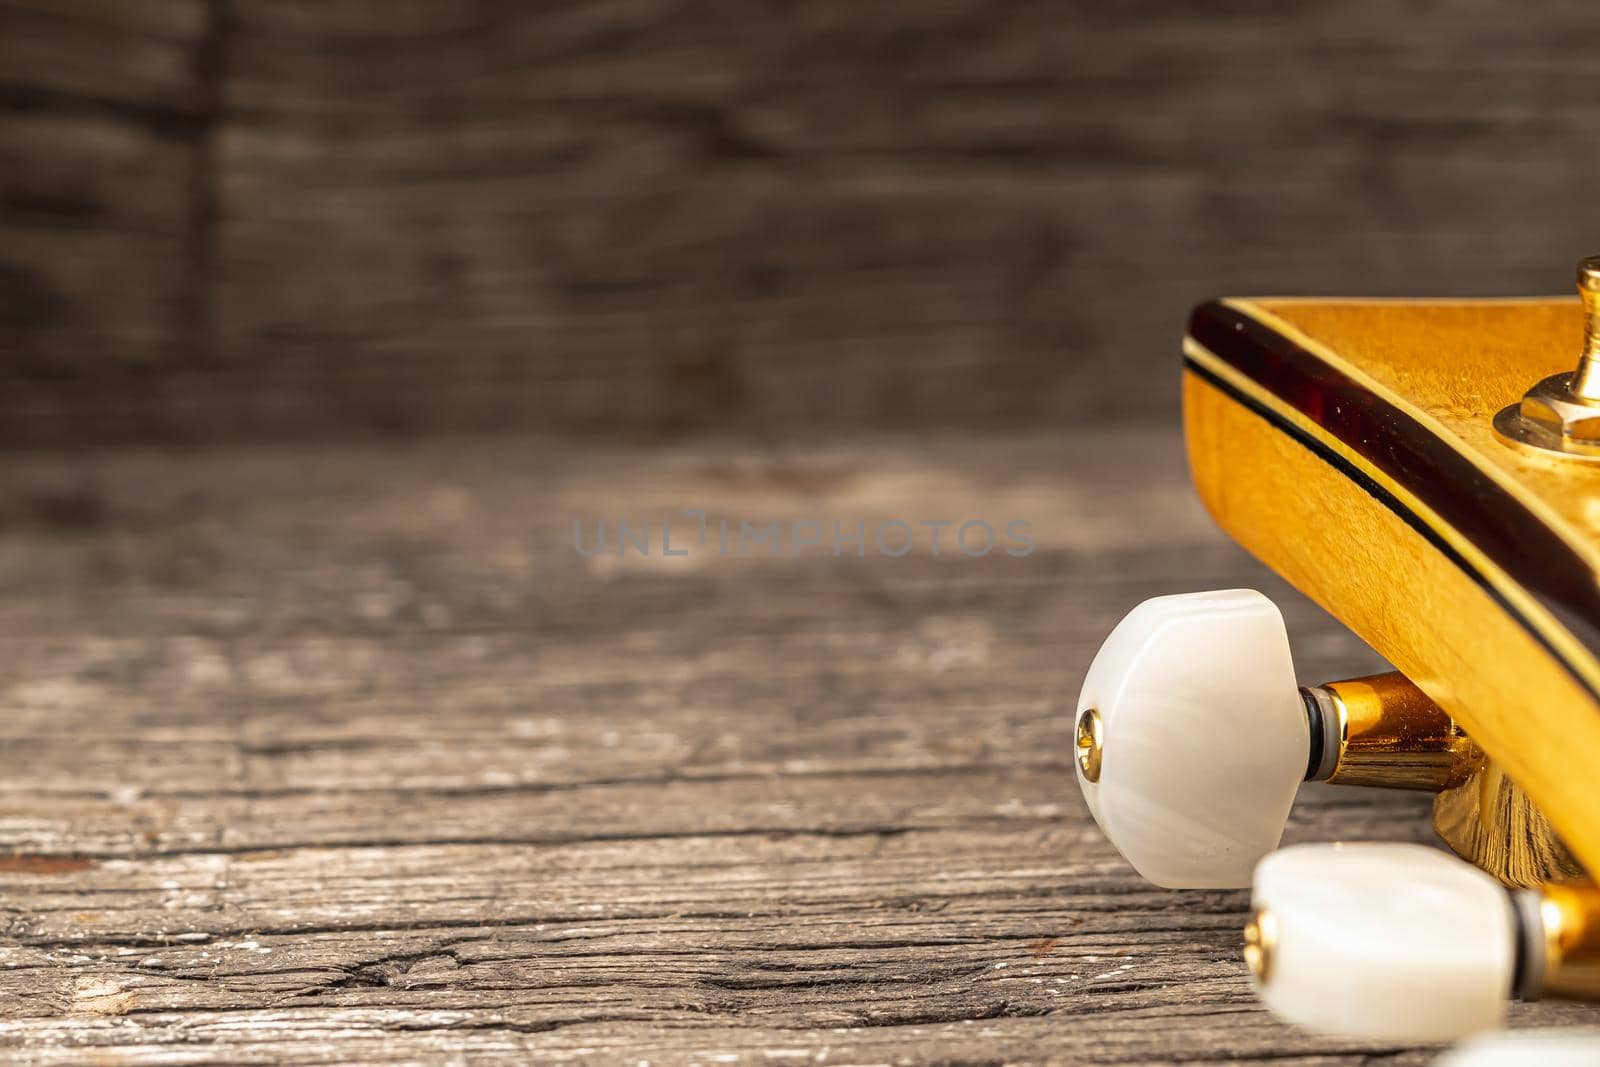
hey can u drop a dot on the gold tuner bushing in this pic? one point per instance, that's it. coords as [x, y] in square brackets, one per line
[1383, 731]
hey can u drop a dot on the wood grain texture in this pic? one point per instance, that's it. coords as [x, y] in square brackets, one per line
[329, 756]
[102, 118]
[646, 218]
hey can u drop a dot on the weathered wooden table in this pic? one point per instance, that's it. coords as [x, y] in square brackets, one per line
[346, 754]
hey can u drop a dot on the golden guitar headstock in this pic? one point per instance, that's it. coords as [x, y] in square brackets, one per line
[1426, 471]
[1351, 446]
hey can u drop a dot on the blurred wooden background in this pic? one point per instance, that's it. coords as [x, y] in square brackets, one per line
[240, 218]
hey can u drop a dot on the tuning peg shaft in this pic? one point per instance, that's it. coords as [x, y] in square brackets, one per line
[1384, 731]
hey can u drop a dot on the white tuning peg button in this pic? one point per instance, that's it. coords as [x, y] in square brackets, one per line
[1193, 737]
[1392, 941]
[1546, 1048]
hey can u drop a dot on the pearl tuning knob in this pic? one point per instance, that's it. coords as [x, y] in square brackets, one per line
[1193, 738]
[1406, 943]
[1381, 940]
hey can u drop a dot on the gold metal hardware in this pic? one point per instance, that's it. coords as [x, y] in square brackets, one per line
[1260, 940]
[1586, 379]
[1560, 415]
[1089, 751]
[1387, 732]
[1392, 735]
[1488, 820]
[1570, 915]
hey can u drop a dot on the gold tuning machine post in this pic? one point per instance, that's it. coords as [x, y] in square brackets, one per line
[1560, 416]
[1585, 382]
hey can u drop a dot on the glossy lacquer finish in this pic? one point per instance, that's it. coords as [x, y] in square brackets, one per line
[1459, 491]
[1350, 445]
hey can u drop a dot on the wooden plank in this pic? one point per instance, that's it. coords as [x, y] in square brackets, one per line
[251, 219]
[103, 118]
[346, 755]
[649, 219]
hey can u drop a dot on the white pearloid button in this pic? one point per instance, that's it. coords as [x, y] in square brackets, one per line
[1203, 737]
[1392, 941]
[1544, 1048]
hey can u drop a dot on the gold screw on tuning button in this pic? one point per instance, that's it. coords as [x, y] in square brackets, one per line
[1560, 416]
[1260, 938]
[1089, 744]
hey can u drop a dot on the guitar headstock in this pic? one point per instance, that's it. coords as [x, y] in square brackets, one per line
[1352, 445]
[1427, 472]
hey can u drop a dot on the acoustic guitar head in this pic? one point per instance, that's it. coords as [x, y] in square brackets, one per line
[1429, 472]
[1352, 446]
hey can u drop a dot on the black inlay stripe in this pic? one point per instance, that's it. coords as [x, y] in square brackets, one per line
[1393, 504]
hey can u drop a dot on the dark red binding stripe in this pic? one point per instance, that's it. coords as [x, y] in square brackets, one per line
[1449, 484]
